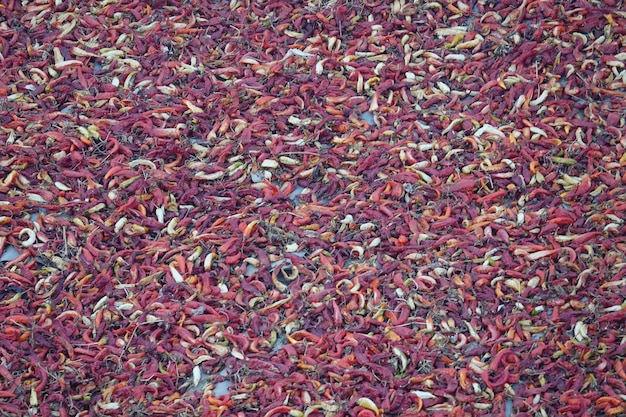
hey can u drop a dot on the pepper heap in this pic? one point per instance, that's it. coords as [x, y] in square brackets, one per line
[323, 208]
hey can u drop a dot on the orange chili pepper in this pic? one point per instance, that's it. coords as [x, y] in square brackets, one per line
[619, 368]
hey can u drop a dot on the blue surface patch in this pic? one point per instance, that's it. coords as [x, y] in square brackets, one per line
[368, 117]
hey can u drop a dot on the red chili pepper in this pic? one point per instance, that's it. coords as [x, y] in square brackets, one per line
[442, 224]
[11, 409]
[464, 184]
[616, 316]
[491, 197]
